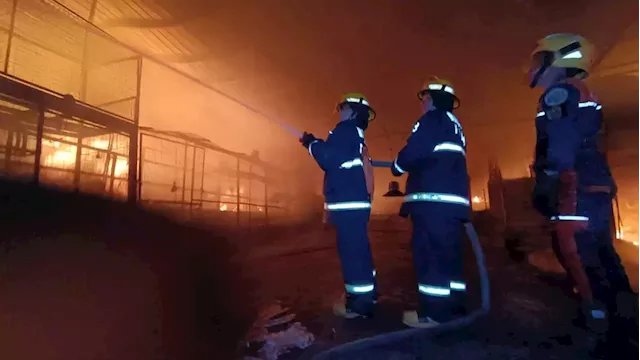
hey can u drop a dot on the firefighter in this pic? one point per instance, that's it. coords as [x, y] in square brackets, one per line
[348, 188]
[574, 186]
[437, 202]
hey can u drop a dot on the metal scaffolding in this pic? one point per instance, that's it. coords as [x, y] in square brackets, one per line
[51, 139]
[69, 104]
[187, 171]
[69, 117]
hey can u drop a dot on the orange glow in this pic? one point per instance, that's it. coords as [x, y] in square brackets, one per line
[628, 231]
[223, 207]
[65, 155]
[100, 144]
[476, 200]
[122, 167]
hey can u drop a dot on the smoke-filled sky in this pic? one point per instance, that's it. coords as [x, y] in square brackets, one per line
[294, 59]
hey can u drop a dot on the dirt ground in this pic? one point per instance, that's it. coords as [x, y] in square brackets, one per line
[81, 278]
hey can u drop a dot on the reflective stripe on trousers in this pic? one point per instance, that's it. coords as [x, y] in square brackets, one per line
[457, 286]
[437, 197]
[441, 291]
[361, 289]
[348, 205]
[570, 218]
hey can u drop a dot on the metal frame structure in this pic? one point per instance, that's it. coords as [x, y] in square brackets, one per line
[51, 111]
[33, 118]
[197, 168]
[32, 115]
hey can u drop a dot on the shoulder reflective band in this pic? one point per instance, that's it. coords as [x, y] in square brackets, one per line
[351, 163]
[359, 289]
[457, 127]
[570, 218]
[447, 146]
[442, 87]
[434, 290]
[348, 205]
[397, 167]
[457, 286]
[357, 101]
[580, 105]
[437, 197]
[590, 104]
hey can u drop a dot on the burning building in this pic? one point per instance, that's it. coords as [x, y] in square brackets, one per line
[616, 83]
[77, 124]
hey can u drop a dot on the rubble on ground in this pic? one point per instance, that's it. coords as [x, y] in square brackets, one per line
[274, 334]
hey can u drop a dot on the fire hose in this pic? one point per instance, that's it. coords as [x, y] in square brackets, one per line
[383, 339]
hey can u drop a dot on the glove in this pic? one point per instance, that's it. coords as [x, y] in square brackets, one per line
[307, 139]
[545, 194]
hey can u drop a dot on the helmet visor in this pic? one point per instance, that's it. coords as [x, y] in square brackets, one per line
[541, 59]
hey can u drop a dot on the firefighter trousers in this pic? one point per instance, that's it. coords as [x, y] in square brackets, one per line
[438, 262]
[356, 259]
[586, 244]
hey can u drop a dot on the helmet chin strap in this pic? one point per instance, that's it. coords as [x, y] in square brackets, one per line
[536, 78]
[362, 122]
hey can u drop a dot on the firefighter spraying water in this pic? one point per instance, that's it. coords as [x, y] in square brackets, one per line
[437, 202]
[348, 189]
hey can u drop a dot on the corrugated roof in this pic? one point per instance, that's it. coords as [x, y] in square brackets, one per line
[150, 29]
[52, 39]
[622, 59]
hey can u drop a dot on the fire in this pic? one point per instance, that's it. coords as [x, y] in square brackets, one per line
[100, 144]
[60, 157]
[122, 167]
[628, 235]
[223, 207]
[476, 200]
[63, 157]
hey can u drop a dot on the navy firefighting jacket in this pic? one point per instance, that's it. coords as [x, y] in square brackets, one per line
[435, 160]
[568, 132]
[348, 180]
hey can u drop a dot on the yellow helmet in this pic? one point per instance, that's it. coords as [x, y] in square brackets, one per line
[434, 83]
[356, 98]
[564, 50]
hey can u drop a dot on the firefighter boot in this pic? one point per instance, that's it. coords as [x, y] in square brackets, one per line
[411, 319]
[353, 307]
[458, 303]
[626, 321]
[595, 317]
